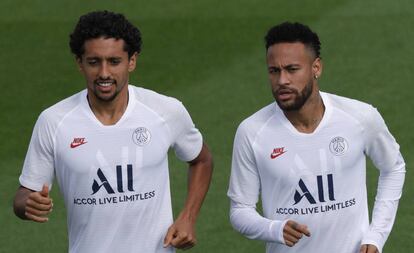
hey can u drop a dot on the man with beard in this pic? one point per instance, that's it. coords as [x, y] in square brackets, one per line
[305, 155]
[108, 147]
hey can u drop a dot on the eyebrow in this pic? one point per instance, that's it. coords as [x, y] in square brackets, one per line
[107, 58]
[285, 67]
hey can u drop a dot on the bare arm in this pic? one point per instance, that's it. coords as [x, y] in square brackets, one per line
[32, 205]
[181, 234]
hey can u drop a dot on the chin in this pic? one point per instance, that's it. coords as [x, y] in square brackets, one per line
[106, 97]
[289, 106]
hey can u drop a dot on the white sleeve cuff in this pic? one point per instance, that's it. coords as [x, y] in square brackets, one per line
[369, 239]
[246, 220]
[276, 227]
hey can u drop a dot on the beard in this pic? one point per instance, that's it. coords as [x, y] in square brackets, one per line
[299, 100]
[106, 97]
[102, 98]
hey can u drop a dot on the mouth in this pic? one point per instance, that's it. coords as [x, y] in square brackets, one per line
[104, 85]
[285, 94]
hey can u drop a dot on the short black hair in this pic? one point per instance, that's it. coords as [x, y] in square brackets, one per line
[105, 24]
[293, 32]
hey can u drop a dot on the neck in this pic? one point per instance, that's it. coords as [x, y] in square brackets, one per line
[109, 112]
[307, 118]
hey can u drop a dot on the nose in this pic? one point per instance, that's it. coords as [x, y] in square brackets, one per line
[283, 78]
[104, 71]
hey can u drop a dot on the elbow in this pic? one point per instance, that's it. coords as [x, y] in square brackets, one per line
[238, 222]
[208, 158]
[233, 221]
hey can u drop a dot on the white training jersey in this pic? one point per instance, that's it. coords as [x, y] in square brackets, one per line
[316, 179]
[114, 179]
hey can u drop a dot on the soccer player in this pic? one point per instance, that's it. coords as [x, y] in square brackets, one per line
[108, 147]
[305, 155]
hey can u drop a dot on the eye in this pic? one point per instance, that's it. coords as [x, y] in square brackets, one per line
[92, 62]
[273, 70]
[292, 69]
[115, 61]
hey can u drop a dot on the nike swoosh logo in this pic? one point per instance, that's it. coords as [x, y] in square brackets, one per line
[273, 155]
[75, 145]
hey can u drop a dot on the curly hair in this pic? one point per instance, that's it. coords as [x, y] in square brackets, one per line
[108, 25]
[293, 32]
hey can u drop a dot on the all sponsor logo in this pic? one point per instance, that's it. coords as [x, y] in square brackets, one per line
[96, 186]
[303, 191]
[323, 202]
[121, 194]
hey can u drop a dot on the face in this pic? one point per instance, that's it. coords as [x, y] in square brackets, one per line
[292, 68]
[106, 68]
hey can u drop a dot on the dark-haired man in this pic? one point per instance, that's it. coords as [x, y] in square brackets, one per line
[305, 155]
[108, 147]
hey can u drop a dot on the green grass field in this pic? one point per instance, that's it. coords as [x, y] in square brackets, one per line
[210, 55]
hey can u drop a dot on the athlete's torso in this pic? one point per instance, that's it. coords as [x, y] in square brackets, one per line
[317, 179]
[114, 179]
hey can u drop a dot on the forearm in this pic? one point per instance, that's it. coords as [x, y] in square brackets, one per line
[199, 177]
[389, 191]
[246, 220]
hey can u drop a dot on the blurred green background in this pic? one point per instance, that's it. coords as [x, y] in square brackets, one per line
[210, 55]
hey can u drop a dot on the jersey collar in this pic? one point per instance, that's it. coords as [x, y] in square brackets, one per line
[327, 114]
[91, 115]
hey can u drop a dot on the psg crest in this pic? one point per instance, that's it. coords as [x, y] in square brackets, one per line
[338, 146]
[141, 136]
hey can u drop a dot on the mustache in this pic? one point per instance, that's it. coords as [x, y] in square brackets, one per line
[284, 89]
[104, 80]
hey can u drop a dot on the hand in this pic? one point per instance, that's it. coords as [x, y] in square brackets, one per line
[181, 234]
[293, 232]
[368, 248]
[39, 205]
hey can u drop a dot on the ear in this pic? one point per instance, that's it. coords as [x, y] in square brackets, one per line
[80, 65]
[317, 67]
[132, 62]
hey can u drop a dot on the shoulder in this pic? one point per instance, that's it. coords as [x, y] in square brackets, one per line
[57, 112]
[150, 97]
[362, 114]
[251, 126]
[159, 103]
[358, 110]
[346, 104]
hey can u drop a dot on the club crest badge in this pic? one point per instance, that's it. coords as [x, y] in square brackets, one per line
[338, 146]
[141, 136]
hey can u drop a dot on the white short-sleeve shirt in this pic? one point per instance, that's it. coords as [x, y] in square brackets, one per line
[114, 179]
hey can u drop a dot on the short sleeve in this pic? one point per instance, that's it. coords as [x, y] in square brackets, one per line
[244, 185]
[188, 140]
[38, 168]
